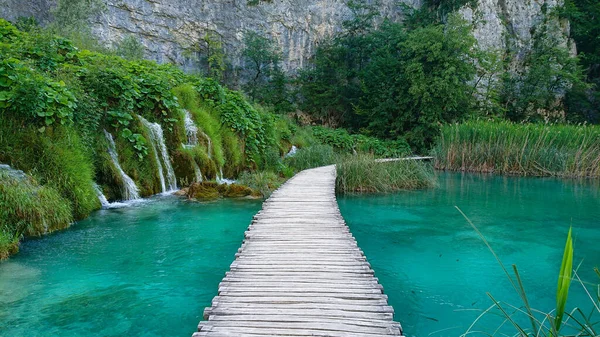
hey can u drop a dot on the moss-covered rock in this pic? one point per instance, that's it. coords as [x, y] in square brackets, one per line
[237, 191]
[184, 167]
[204, 191]
[212, 190]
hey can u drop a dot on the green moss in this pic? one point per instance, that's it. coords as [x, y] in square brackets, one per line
[237, 191]
[183, 166]
[204, 191]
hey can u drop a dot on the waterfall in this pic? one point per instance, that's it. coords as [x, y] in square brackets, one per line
[222, 180]
[101, 196]
[209, 145]
[11, 172]
[130, 190]
[191, 129]
[197, 171]
[157, 141]
[292, 152]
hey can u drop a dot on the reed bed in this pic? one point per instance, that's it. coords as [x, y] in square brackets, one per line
[363, 174]
[520, 149]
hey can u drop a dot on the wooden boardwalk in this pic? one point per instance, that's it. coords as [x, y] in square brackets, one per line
[300, 272]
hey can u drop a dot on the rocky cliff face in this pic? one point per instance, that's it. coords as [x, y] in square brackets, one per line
[169, 28]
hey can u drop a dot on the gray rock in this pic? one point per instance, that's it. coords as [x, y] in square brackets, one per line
[169, 28]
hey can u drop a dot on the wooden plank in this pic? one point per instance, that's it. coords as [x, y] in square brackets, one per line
[299, 272]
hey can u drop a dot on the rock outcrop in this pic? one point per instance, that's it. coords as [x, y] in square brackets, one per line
[170, 28]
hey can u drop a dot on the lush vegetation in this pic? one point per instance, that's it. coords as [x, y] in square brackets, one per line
[362, 173]
[56, 99]
[27, 208]
[524, 149]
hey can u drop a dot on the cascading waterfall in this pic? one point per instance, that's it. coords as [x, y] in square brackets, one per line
[130, 189]
[222, 180]
[209, 145]
[191, 131]
[11, 172]
[157, 140]
[101, 196]
[292, 152]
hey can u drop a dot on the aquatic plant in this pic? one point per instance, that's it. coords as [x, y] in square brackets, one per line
[556, 323]
[523, 149]
[363, 173]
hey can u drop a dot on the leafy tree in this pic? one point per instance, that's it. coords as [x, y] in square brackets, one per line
[211, 55]
[548, 71]
[130, 48]
[419, 80]
[267, 82]
[583, 101]
[73, 15]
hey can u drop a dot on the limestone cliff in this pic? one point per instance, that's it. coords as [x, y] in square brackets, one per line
[168, 28]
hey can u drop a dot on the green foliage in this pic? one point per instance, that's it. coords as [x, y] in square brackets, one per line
[34, 97]
[583, 101]
[564, 282]
[363, 174]
[267, 82]
[533, 92]
[392, 83]
[263, 181]
[312, 156]
[27, 208]
[341, 140]
[211, 55]
[130, 48]
[524, 149]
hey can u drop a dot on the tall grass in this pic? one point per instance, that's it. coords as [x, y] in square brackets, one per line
[523, 149]
[26, 208]
[556, 323]
[312, 156]
[263, 181]
[362, 173]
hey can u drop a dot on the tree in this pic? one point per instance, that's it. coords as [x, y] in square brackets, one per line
[548, 71]
[267, 83]
[130, 48]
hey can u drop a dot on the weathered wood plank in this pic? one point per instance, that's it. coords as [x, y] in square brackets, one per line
[299, 272]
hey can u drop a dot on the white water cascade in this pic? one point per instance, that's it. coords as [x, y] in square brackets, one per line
[208, 145]
[101, 196]
[221, 180]
[292, 152]
[191, 131]
[11, 172]
[157, 140]
[130, 189]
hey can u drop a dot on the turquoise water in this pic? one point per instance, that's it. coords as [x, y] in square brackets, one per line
[150, 269]
[146, 270]
[435, 269]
